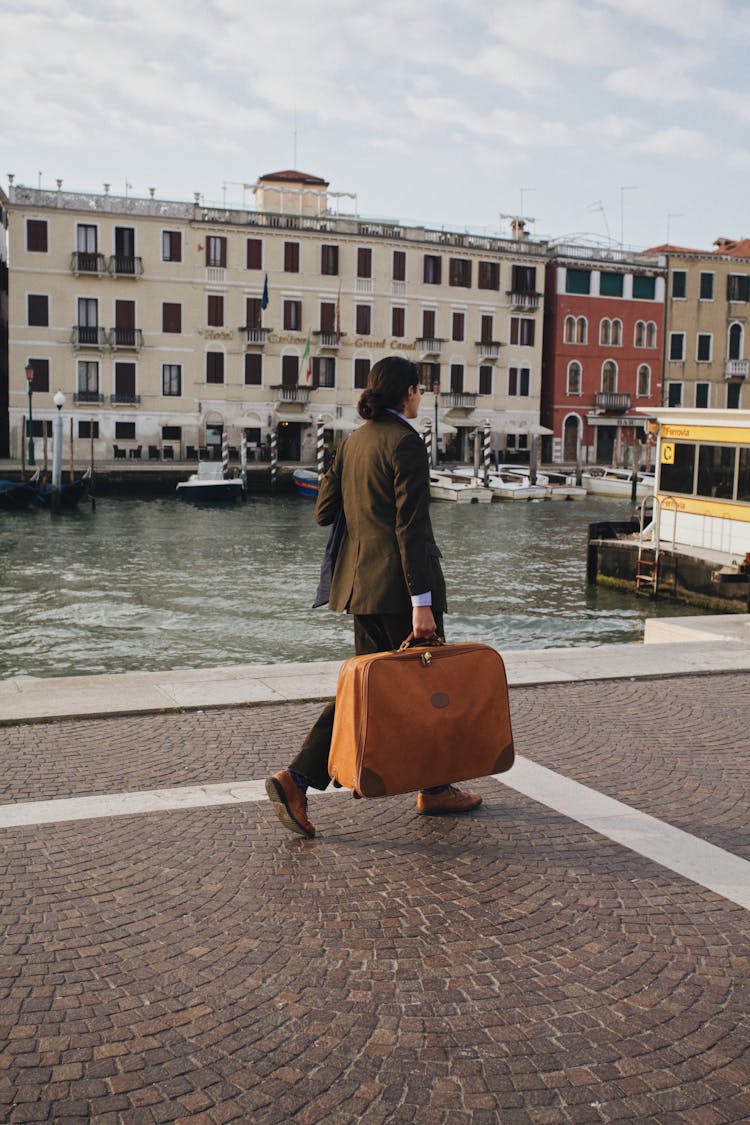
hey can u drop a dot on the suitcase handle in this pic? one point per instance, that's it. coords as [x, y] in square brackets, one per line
[412, 642]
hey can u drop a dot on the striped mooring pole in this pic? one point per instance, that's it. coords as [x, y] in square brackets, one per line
[487, 448]
[320, 447]
[427, 436]
[224, 454]
[274, 461]
[243, 461]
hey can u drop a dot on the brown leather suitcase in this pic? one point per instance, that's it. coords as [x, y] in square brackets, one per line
[430, 714]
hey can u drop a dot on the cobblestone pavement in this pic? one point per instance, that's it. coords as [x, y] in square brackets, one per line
[512, 966]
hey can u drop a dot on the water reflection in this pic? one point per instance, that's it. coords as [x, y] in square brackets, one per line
[154, 584]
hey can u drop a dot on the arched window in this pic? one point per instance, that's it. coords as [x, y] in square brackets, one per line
[644, 381]
[582, 330]
[609, 377]
[569, 331]
[574, 378]
[651, 334]
[617, 333]
[640, 334]
[605, 332]
[735, 341]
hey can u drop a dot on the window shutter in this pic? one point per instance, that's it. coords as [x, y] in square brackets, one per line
[38, 310]
[254, 254]
[171, 317]
[399, 265]
[36, 235]
[428, 324]
[327, 316]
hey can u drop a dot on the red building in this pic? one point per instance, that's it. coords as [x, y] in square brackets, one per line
[603, 350]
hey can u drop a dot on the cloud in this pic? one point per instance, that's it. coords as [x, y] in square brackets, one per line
[677, 142]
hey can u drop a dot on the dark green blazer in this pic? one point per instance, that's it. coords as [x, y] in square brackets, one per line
[381, 475]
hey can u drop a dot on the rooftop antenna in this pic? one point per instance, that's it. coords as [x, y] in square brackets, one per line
[597, 205]
[516, 220]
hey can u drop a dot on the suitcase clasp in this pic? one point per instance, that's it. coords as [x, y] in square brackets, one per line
[426, 659]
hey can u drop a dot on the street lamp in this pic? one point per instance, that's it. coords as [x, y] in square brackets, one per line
[435, 389]
[59, 401]
[30, 382]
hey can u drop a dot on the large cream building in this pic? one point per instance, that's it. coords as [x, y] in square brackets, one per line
[150, 316]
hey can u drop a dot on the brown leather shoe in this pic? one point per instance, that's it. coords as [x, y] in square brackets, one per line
[451, 800]
[289, 802]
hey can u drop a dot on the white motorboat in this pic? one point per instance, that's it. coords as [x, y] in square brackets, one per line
[617, 482]
[210, 486]
[561, 487]
[452, 486]
[510, 483]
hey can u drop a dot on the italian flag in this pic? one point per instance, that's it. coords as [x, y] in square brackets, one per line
[306, 357]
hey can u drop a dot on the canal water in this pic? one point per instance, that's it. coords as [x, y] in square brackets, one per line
[152, 584]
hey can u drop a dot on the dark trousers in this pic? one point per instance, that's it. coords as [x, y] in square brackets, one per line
[381, 632]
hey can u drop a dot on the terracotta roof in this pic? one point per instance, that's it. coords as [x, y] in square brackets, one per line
[734, 249]
[668, 248]
[292, 177]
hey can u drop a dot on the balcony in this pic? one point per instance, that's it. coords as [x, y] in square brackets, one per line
[459, 400]
[489, 349]
[125, 399]
[398, 288]
[88, 396]
[296, 394]
[612, 402]
[128, 339]
[428, 345]
[124, 265]
[85, 337]
[216, 274]
[84, 262]
[528, 301]
[363, 285]
[255, 335]
[737, 369]
[330, 340]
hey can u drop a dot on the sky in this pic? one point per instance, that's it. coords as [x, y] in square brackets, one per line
[626, 120]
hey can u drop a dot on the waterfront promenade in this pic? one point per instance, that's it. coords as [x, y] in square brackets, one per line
[577, 951]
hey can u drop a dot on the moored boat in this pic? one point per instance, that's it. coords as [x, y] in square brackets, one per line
[210, 486]
[456, 487]
[15, 495]
[508, 482]
[71, 492]
[306, 482]
[602, 481]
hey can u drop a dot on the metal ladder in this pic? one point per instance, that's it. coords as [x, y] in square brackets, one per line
[647, 567]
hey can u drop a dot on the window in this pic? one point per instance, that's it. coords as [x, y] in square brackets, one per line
[640, 334]
[253, 312]
[523, 279]
[733, 396]
[363, 320]
[457, 378]
[291, 257]
[171, 379]
[253, 369]
[292, 315]
[171, 433]
[429, 374]
[428, 324]
[399, 265]
[577, 281]
[487, 328]
[125, 249]
[364, 262]
[327, 316]
[651, 334]
[459, 272]
[702, 391]
[679, 474]
[611, 284]
[488, 275]
[215, 311]
[216, 251]
[674, 394]
[734, 350]
[432, 269]
[706, 287]
[398, 322]
[324, 371]
[485, 379]
[254, 254]
[125, 431]
[738, 287]
[36, 236]
[703, 347]
[677, 346]
[643, 382]
[37, 310]
[582, 330]
[41, 380]
[617, 333]
[361, 371]
[522, 331]
[644, 288]
[329, 260]
[605, 331]
[574, 379]
[171, 317]
[609, 377]
[569, 330]
[87, 378]
[743, 476]
[86, 247]
[88, 429]
[519, 379]
[214, 367]
[716, 471]
[289, 371]
[125, 382]
[171, 246]
[459, 326]
[679, 285]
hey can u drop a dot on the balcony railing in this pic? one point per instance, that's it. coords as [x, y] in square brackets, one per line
[528, 301]
[459, 400]
[428, 345]
[85, 337]
[123, 265]
[612, 401]
[129, 338]
[87, 396]
[85, 262]
[489, 349]
[363, 285]
[255, 335]
[294, 393]
[216, 273]
[125, 399]
[329, 339]
[737, 369]
[398, 288]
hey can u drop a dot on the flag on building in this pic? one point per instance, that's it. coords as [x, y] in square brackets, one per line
[307, 359]
[264, 298]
